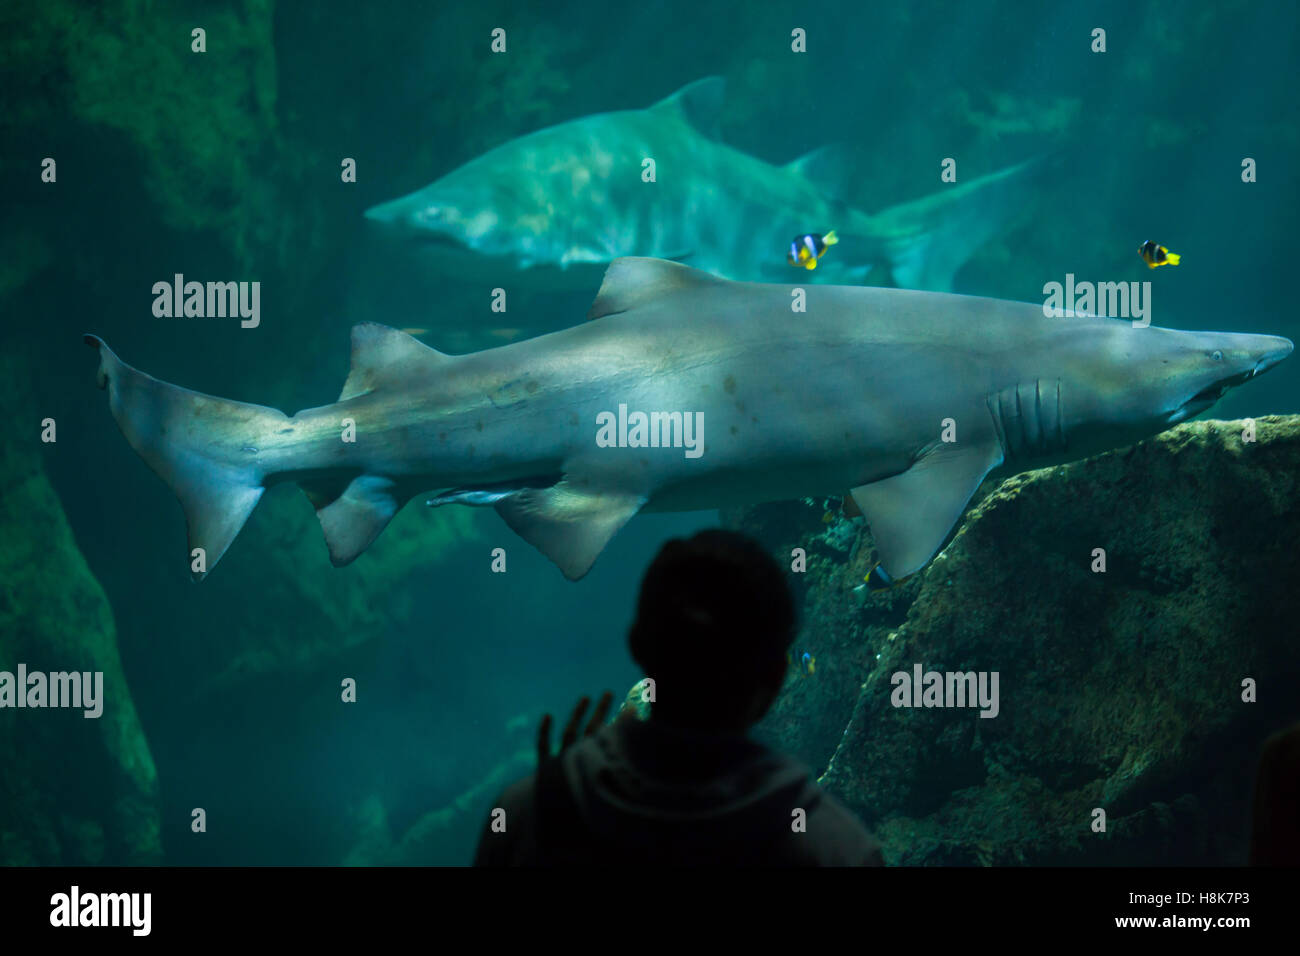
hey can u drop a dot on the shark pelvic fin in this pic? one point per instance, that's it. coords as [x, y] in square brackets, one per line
[911, 513]
[353, 520]
[383, 356]
[699, 102]
[632, 281]
[568, 522]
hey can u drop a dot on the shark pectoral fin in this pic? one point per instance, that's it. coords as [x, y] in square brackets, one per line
[567, 522]
[699, 102]
[911, 513]
[354, 519]
[631, 281]
[383, 356]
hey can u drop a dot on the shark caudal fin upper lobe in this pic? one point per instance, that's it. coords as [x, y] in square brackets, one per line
[205, 448]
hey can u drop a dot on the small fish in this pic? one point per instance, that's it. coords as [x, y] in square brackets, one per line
[1156, 255]
[807, 664]
[827, 518]
[805, 250]
[415, 331]
[878, 580]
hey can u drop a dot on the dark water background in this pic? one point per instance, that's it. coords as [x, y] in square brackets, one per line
[1148, 140]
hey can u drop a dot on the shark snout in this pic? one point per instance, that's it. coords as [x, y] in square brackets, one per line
[1271, 350]
[1220, 361]
[393, 213]
[1238, 357]
[380, 213]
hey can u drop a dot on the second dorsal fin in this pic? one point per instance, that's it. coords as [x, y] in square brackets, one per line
[383, 356]
[699, 102]
[633, 281]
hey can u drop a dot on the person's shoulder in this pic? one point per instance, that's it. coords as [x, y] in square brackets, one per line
[840, 837]
[507, 831]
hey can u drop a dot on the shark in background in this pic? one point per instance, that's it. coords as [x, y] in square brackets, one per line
[749, 405]
[551, 209]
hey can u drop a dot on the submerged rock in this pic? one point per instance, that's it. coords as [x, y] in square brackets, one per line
[1119, 691]
[73, 791]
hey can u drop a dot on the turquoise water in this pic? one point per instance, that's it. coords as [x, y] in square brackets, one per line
[225, 166]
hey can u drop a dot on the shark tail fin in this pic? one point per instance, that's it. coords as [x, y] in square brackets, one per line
[927, 240]
[205, 448]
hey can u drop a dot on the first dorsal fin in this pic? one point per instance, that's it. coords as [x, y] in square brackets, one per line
[383, 356]
[632, 281]
[827, 168]
[700, 102]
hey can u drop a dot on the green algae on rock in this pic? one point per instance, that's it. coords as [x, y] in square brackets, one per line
[75, 791]
[1120, 690]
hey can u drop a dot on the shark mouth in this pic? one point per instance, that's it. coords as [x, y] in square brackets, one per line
[1207, 396]
[440, 240]
[1212, 393]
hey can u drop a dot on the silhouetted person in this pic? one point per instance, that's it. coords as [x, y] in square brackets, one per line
[714, 622]
[1275, 840]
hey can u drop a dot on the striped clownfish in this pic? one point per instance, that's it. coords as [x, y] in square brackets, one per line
[1156, 255]
[805, 250]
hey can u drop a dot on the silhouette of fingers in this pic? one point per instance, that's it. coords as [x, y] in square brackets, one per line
[571, 728]
[599, 714]
[544, 739]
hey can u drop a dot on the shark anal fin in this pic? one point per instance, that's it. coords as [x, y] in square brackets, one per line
[353, 520]
[631, 281]
[911, 513]
[567, 522]
[323, 491]
[383, 356]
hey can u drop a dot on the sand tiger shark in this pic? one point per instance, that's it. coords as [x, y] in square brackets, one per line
[858, 393]
[553, 208]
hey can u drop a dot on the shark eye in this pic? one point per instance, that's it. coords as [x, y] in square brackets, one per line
[1216, 355]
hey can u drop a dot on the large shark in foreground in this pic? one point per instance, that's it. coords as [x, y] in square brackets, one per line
[744, 400]
[552, 209]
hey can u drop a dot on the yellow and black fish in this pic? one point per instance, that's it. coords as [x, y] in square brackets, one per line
[805, 250]
[1156, 255]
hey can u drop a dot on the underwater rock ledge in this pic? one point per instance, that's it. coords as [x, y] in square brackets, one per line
[1120, 690]
[73, 791]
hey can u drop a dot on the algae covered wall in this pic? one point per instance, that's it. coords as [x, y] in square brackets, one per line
[225, 165]
[1144, 690]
